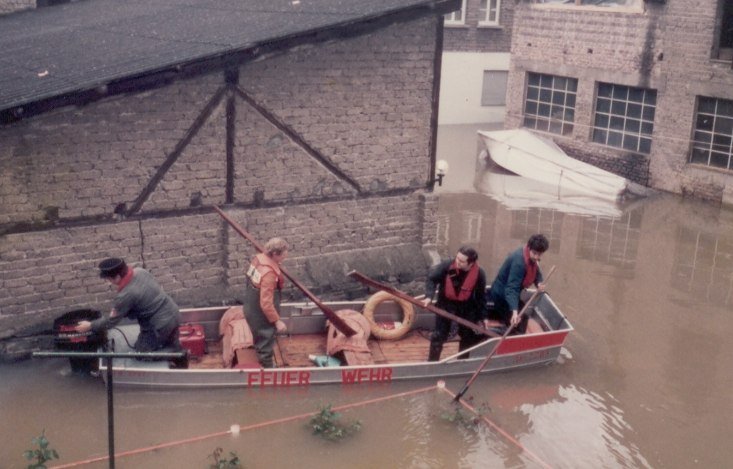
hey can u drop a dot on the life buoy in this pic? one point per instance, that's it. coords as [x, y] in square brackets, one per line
[408, 316]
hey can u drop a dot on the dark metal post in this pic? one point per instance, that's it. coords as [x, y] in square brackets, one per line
[108, 356]
[110, 415]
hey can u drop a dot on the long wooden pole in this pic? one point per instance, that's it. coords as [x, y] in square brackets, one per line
[433, 309]
[337, 322]
[470, 380]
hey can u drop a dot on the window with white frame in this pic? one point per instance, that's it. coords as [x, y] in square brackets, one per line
[550, 103]
[712, 143]
[488, 12]
[458, 17]
[624, 117]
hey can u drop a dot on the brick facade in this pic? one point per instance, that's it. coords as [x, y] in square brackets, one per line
[662, 46]
[473, 37]
[10, 6]
[331, 150]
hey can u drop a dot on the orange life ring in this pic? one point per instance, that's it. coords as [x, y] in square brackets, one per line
[408, 316]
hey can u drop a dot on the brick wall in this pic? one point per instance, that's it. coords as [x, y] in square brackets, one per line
[667, 47]
[363, 105]
[10, 6]
[474, 38]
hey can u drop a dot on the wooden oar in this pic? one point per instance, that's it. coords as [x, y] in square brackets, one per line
[433, 309]
[491, 354]
[337, 322]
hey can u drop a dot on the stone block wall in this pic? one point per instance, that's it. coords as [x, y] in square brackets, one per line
[10, 6]
[474, 38]
[331, 150]
[666, 47]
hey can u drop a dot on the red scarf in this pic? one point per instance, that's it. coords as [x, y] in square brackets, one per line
[126, 279]
[468, 283]
[531, 269]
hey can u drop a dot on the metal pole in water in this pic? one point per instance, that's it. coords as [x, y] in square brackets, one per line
[110, 414]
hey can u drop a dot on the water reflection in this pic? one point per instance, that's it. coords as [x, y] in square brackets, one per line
[648, 286]
[646, 382]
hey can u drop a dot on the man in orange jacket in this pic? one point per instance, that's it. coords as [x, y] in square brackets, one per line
[262, 297]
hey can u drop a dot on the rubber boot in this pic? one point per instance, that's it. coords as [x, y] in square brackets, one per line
[435, 349]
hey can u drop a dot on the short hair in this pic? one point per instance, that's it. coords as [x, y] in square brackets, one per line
[538, 243]
[276, 246]
[469, 252]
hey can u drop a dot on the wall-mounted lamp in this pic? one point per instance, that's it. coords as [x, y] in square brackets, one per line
[441, 169]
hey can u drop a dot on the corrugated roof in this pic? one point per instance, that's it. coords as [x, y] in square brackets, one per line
[54, 51]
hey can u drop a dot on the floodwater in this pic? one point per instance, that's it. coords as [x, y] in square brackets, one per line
[644, 381]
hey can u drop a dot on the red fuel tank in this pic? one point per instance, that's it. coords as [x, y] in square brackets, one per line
[192, 339]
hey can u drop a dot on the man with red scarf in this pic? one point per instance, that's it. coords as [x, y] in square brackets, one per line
[138, 297]
[461, 284]
[519, 271]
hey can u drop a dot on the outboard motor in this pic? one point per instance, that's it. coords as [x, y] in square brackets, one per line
[67, 339]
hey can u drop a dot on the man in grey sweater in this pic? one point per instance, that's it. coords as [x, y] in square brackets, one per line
[138, 297]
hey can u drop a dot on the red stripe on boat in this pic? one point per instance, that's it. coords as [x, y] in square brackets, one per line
[523, 343]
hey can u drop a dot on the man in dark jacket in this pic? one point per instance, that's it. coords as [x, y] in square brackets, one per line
[138, 297]
[519, 271]
[461, 284]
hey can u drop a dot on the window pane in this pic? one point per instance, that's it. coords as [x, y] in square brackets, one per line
[617, 123]
[704, 122]
[631, 142]
[620, 92]
[719, 160]
[632, 125]
[619, 108]
[599, 136]
[544, 110]
[604, 90]
[602, 120]
[634, 110]
[724, 125]
[699, 155]
[530, 107]
[703, 137]
[533, 93]
[615, 138]
[636, 95]
[533, 79]
[648, 113]
[604, 105]
[645, 145]
[706, 105]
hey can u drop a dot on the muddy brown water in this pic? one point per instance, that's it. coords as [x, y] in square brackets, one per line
[644, 382]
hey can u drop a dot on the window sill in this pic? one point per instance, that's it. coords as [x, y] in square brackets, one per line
[714, 169]
[490, 26]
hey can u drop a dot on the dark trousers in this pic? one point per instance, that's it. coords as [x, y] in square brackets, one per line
[468, 338]
[152, 340]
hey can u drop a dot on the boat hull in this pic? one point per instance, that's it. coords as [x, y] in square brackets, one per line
[516, 351]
